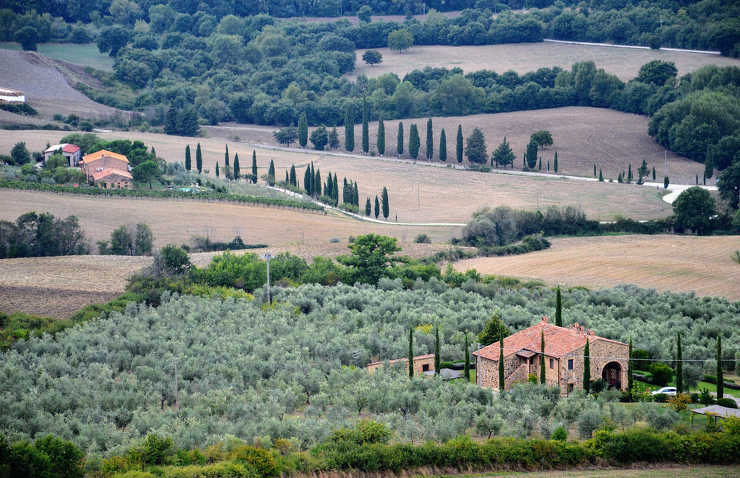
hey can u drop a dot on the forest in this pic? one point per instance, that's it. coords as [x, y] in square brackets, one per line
[103, 384]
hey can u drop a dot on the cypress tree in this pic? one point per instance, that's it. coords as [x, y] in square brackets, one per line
[653, 173]
[697, 179]
[377, 207]
[254, 166]
[539, 166]
[629, 371]
[720, 378]
[226, 156]
[430, 140]
[558, 308]
[555, 162]
[586, 369]
[543, 372]
[466, 370]
[386, 206]
[436, 350]
[303, 130]
[501, 384]
[601, 176]
[629, 173]
[217, 175]
[411, 350]
[399, 141]
[368, 208]
[548, 165]
[311, 178]
[365, 129]
[336, 190]
[236, 167]
[307, 180]
[679, 364]
[292, 175]
[317, 183]
[459, 150]
[442, 146]
[414, 141]
[666, 182]
[349, 130]
[594, 169]
[198, 159]
[381, 137]
[287, 178]
[187, 158]
[329, 186]
[271, 174]
[355, 195]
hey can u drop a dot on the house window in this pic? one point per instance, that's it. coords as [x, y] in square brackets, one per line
[425, 367]
[570, 387]
[570, 364]
[552, 363]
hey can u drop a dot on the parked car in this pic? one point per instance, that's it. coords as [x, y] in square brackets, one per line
[665, 391]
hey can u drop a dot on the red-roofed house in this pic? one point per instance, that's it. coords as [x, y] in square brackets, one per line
[107, 169]
[110, 178]
[70, 151]
[563, 358]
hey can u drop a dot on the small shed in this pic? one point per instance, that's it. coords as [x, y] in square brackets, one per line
[422, 363]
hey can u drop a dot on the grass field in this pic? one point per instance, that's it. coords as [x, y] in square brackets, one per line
[526, 57]
[85, 54]
[664, 262]
[677, 471]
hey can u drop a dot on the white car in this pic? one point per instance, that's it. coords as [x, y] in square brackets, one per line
[665, 391]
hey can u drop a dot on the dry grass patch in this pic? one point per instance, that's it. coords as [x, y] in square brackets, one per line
[663, 262]
[526, 57]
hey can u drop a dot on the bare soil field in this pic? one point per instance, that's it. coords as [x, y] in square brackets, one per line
[526, 57]
[419, 193]
[46, 84]
[663, 262]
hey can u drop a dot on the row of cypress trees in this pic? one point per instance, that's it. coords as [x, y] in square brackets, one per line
[230, 172]
[383, 202]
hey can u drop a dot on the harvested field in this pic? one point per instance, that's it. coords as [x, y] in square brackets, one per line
[428, 194]
[46, 83]
[663, 262]
[526, 57]
[670, 471]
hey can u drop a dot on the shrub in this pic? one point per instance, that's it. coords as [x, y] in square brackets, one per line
[560, 434]
[680, 402]
[422, 239]
[660, 398]
[727, 402]
[259, 459]
[662, 373]
[706, 397]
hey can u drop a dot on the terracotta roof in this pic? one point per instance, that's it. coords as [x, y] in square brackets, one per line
[97, 175]
[405, 359]
[103, 152]
[70, 148]
[559, 341]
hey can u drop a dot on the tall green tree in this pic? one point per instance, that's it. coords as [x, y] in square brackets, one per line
[443, 146]
[292, 178]
[466, 369]
[217, 172]
[386, 205]
[503, 154]
[693, 209]
[188, 164]
[237, 171]
[436, 350]
[399, 140]
[720, 376]
[532, 149]
[679, 364]
[555, 162]
[333, 138]
[377, 207]
[271, 174]
[226, 157]
[317, 183]
[629, 173]
[254, 166]
[411, 351]
[199, 159]
[601, 176]
[475, 148]
[381, 137]
[630, 377]
[365, 128]
[308, 180]
[303, 130]
[558, 308]
[493, 331]
[430, 140]
[594, 169]
[501, 384]
[586, 368]
[459, 146]
[349, 130]
[368, 208]
[543, 371]
[414, 141]
[372, 258]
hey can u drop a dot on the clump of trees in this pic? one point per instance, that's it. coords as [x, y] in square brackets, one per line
[128, 240]
[37, 235]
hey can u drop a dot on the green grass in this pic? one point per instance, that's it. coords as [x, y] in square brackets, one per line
[713, 388]
[85, 54]
[662, 472]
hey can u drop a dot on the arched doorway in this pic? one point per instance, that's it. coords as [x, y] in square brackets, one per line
[612, 375]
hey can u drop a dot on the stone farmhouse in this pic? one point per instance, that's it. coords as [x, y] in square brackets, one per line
[422, 364]
[72, 152]
[107, 170]
[564, 361]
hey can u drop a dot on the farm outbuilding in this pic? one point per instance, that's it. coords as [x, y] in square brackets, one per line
[564, 358]
[422, 363]
[72, 152]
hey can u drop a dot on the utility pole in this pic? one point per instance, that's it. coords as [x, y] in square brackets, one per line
[267, 258]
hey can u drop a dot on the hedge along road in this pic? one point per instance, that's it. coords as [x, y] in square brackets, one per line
[674, 189]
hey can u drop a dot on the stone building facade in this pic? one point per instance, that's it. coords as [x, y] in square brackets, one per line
[564, 361]
[422, 363]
